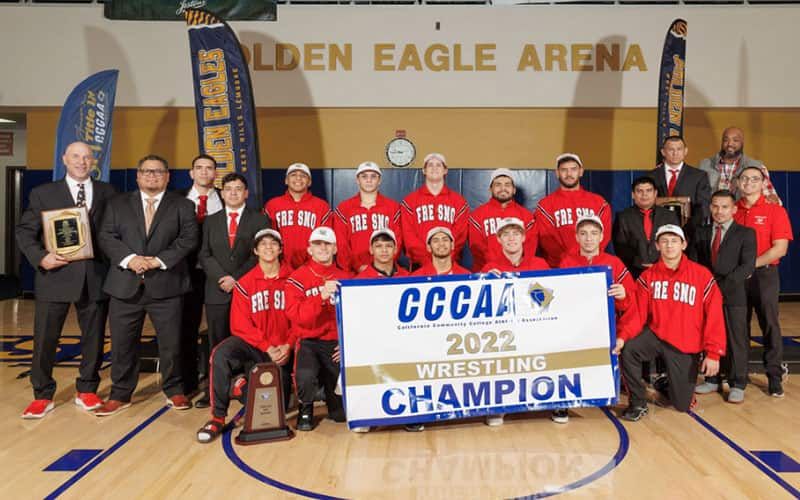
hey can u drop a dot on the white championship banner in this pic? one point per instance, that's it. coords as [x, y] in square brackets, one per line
[448, 347]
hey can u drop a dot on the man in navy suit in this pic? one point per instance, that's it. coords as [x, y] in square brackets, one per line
[147, 235]
[59, 282]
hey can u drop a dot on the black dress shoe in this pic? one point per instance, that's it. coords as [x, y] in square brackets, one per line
[203, 402]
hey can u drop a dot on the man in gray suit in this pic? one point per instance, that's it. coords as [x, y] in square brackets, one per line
[59, 282]
[147, 235]
[724, 167]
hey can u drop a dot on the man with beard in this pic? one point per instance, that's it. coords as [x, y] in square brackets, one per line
[440, 244]
[724, 167]
[675, 178]
[484, 221]
[558, 212]
[357, 218]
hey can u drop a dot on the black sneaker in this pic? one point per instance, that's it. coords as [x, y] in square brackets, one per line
[415, 427]
[634, 413]
[775, 387]
[305, 417]
[560, 416]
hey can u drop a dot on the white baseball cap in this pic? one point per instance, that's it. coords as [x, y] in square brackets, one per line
[434, 156]
[500, 172]
[510, 221]
[439, 229]
[385, 230]
[299, 166]
[271, 232]
[368, 166]
[323, 233]
[569, 156]
[589, 218]
[671, 229]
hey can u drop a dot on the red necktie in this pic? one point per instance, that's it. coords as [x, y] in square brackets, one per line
[715, 245]
[672, 181]
[648, 223]
[201, 208]
[232, 227]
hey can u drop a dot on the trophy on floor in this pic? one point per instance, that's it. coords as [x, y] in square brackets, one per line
[67, 233]
[681, 205]
[264, 418]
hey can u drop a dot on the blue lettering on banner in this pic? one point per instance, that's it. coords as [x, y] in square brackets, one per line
[459, 303]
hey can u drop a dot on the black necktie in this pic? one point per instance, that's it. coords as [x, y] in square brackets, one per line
[81, 201]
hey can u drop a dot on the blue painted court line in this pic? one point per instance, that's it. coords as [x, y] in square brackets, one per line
[94, 463]
[777, 460]
[619, 456]
[72, 460]
[738, 449]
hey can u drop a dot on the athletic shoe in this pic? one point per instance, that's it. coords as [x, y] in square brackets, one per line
[560, 416]
[88, 401]
[305, 417]
[210, 431]
[38, 409]
[706, 388]
[415, 427]
[203, 402]
[360, 430]
[179, 402]
[111, 407]
[736, 395]
[494, 420]
[634, 413]
[775, 387]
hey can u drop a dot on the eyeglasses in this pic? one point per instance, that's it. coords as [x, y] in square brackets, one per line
[748, 180]
[153, 172]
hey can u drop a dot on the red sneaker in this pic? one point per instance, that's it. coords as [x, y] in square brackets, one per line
[38, 409]
[111, 407]
[88, 401]
[179, 402]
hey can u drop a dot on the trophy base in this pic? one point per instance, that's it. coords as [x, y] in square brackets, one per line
[254, 437]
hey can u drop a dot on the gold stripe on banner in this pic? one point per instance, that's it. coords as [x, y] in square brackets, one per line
[484, 367]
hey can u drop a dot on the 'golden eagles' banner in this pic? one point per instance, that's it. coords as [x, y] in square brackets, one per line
[671, 88]
[86, 117]
[422, 349]
[173, 10]
[223, 97]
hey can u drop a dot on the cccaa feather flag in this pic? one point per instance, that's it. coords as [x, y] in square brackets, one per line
[671, 87]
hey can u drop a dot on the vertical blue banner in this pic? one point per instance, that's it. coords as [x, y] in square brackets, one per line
[223, 97]
[86, 117]
[671, 88]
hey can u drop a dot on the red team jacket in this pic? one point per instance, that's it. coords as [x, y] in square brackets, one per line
[556, 216]
[422, 211]
[769, 220]
[354, 225]
[295, 220]
[258, 315]
[312, 318]
[683, 308]
[371, 272]
[619, 273]
[529, 262]
[483, 222]
[429, 270]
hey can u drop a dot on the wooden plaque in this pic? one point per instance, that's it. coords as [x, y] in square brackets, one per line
[682, 205]
[67, 233]
[264, 418]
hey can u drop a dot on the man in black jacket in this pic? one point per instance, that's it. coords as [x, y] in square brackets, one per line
[635, 228]
[728, 250]
[147, 235]
[676, 178]
[60, 282]
[226, 255]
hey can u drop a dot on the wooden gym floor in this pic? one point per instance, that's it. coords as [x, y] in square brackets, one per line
[147, 451]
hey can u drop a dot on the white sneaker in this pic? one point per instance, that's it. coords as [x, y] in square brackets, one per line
[360, 430]
[495, 420]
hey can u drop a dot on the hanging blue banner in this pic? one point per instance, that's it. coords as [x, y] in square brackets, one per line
[223, 97]
[86, 117]
[671, 88]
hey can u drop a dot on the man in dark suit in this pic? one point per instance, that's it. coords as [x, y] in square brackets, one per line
[226, 255]
[59, 282]
[207, 201]
[676, 178]
[635, 228]
[728, 250]
[147, 235]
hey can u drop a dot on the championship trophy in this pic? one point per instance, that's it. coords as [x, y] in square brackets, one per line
[264, 418]
[67, 233]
